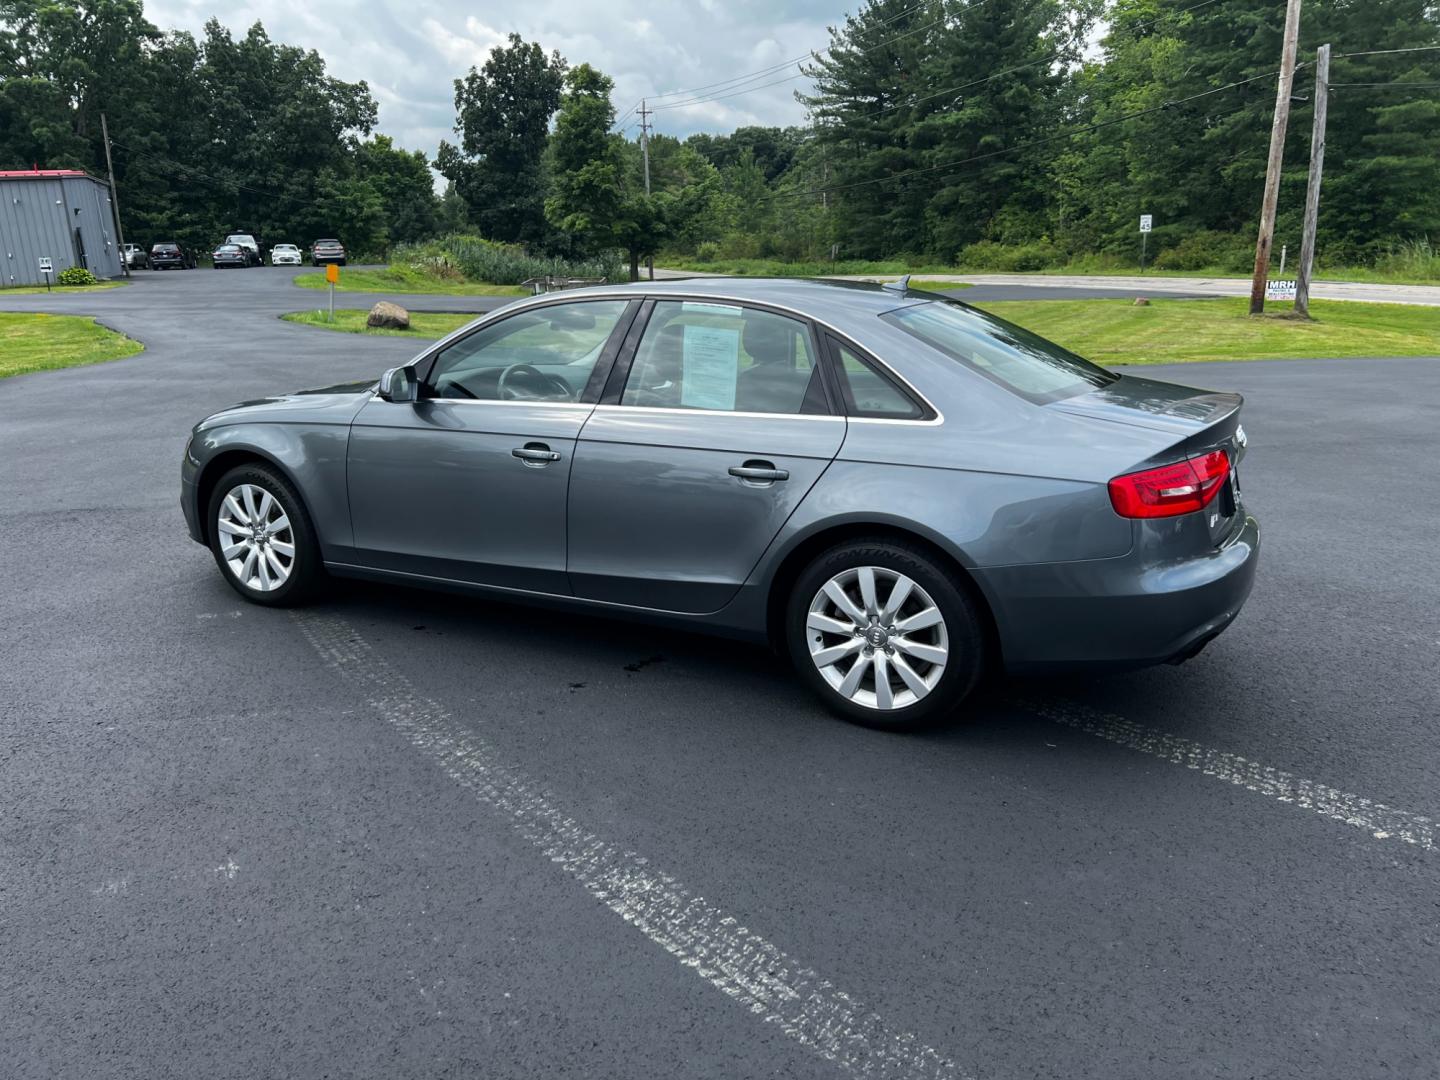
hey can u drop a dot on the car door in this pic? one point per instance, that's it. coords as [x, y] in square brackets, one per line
[714, 425]
[469, 482]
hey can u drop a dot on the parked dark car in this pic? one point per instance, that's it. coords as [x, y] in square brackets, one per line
[898, 490]
[230, 255]
[251, 246]
[171, 256]
[327, 251]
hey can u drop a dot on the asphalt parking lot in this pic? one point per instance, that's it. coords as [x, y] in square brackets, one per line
[407, 835]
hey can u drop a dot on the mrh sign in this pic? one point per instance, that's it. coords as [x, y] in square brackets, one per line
[1281, 289]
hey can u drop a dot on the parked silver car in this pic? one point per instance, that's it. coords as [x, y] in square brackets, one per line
[900, 491]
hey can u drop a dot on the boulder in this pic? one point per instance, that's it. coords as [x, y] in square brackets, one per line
[1140, 301]
[388, 316]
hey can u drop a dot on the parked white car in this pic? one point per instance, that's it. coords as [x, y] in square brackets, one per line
[284, 255]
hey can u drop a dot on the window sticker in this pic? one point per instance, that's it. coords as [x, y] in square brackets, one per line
[711, 367]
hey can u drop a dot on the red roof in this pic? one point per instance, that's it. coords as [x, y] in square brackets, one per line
[19, 174]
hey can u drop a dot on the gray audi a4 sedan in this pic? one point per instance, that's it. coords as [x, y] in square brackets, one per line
[899, 491]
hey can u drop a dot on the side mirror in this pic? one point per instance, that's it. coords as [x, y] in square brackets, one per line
[399, 385]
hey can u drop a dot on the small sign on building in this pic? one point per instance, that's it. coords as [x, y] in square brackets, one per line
[1280, 289]
[45, 267]
[1145, 222]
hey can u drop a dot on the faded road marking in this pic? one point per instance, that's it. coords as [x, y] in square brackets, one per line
[1380, 821]
[728, 956]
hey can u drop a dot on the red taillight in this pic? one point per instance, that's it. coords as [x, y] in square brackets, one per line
[1171, 489]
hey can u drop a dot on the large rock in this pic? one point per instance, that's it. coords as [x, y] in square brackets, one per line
[388, 316]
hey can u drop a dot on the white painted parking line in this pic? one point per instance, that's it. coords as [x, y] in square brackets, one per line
[1380, 821]
[732, 958]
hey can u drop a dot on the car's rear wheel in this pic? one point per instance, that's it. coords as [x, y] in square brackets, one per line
[885, 634]
[262, 537]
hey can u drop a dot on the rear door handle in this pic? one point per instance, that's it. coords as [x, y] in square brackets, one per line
[535, 453]
[759, 471]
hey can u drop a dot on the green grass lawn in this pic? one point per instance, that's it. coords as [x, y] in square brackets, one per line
[402, 280]
[352, 321]
[1180, 331]
[40, 342]
[26, 290]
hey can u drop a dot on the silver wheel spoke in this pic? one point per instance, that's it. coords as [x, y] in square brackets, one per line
[909, 677]
[282, 548]
[237, 512]
[853, 677]
[919, 621]
[277, 570]
[898, 595]
[247, 496]
[836, 653]
[248, 567]
[884, 699]
[842, 600]
[866, 577]
[233, 528]
[279, 525]
[234, 550]
[263, 511]
[817, 621]
[920, 651]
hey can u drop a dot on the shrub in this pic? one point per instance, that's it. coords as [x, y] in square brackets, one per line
[1410, 258]
[1208, 249]
[75, 275]
[1018, 258]
[707, 251]
[472, 258]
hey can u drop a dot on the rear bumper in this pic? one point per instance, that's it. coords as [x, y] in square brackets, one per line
[1119, 613]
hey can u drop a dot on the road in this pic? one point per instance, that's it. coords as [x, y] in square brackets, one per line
[406, 835]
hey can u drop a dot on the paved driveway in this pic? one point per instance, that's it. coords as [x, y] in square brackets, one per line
[406, 835]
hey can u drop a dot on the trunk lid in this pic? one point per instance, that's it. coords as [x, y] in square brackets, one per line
[1189, 422]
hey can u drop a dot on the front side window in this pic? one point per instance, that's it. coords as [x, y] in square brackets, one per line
[725, 358]
[544, 354]
[1005, 353]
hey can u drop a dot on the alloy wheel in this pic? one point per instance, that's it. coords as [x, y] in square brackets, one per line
[256, 538]
[877, 638]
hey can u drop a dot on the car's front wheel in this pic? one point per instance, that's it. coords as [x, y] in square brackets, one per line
[885, 634]
[262, 538]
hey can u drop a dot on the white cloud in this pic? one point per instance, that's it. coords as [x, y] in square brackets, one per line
[410, 53]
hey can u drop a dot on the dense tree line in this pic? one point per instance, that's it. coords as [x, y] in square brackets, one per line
[1012, 133]
[211, 135]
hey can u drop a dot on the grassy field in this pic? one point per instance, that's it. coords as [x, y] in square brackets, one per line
[39, 342]
[27, 290]
[1181, 331]
[401, 280]
[1086, 267]
[352, 321]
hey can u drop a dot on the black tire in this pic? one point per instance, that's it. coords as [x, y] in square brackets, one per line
[961, 632]
[306, 571]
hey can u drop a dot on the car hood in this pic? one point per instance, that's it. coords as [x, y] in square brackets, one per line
[1149, 403]
[335, 404]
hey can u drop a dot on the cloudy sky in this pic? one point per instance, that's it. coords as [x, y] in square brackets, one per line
[409, 53]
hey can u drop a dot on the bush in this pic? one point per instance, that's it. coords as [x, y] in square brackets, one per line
[75, 275]
[1018, 258]
[707, 251]
[1208, 250]
[471, 258]
[1410, 258]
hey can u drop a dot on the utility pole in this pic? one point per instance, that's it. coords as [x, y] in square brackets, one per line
[1312, 187]
[114, 198]
[645, 150]
[1277, 153]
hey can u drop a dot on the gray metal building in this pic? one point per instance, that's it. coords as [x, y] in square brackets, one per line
[60, 214]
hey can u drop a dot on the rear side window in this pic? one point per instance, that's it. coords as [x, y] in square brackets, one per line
[724, 358]
[1018, 360]
[870, 392]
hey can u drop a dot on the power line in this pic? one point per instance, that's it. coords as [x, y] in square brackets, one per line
[1056, 55]
[1389, 52]
[1081, 130]
[1384, 85]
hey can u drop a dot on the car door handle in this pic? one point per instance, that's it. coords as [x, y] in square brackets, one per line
[535, 453]
[761, 471]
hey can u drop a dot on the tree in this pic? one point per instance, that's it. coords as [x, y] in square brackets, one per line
[503, 116]
[585, 164]
[405, 186]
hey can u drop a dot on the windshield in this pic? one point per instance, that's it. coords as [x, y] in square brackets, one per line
[1004, 353]
[229, 247]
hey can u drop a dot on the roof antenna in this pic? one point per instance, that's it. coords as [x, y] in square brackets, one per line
[898, 286]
